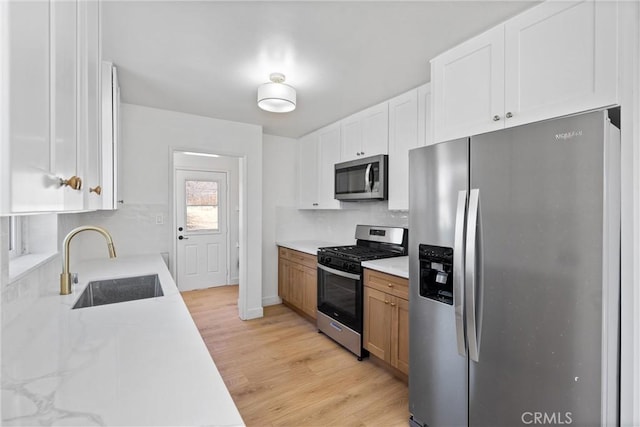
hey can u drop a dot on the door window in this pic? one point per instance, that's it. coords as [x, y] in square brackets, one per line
[201, 205]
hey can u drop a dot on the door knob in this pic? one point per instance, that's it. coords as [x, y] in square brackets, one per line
[182, 238]
[180, 228]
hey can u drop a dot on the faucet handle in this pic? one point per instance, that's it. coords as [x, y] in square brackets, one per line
[74, 278]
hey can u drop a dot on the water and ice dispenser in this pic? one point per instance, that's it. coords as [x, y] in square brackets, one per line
[436, 273]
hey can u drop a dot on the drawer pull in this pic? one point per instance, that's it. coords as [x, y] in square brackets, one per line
[390, 285]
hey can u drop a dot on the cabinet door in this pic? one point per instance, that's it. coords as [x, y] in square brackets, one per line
[377, 318]
[403, 136]
[310, 291]
[308, 172]
[296, 284]
[89, 102]
[28, 177]
[560, 59]
[375, 130]
[425, 134]
[284, 278]
[400, 334]
[468, 87]
[351, 138]
[328, 156]
[64, 96]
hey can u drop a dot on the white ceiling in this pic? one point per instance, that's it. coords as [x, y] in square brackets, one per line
[208, 57]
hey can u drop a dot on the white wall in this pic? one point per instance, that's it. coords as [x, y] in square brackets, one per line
[279, 193]
[149, 136]
[231, 166]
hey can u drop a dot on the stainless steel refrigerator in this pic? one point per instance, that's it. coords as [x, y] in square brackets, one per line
[514, 276]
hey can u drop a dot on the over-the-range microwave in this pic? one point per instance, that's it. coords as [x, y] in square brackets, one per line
[362, 179]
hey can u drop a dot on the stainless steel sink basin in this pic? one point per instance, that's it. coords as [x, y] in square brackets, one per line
[111, 291]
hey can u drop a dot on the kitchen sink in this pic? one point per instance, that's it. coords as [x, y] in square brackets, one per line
[111, 291]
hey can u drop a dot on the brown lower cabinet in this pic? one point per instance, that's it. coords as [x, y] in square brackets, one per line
[386, 318]
[297, 280]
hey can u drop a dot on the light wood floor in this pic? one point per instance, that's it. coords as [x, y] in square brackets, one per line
[281, 372]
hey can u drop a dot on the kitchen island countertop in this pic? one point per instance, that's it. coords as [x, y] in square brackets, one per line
[139, 362]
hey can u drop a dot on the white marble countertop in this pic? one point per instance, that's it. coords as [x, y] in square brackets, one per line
[309, 246]
[398, 266]
[133, 363]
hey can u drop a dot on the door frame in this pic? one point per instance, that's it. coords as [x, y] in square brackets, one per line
[227, 212]
[243, 310]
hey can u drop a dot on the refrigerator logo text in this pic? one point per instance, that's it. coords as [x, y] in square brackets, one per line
[568, 135]
[549, 418]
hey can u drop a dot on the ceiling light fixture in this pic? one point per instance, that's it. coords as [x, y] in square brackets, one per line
[276, 96]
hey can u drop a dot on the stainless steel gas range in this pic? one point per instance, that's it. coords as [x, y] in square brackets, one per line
[340, 294]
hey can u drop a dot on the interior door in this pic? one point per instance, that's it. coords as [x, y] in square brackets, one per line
[201, 219]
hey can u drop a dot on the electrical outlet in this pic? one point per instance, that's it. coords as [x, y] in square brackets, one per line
[159, 219]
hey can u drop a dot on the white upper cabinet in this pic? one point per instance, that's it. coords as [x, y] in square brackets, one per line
[308, 171]
[425, 130]
[328, 156]
[403, 136]
[50, 106]
[468, 87]
[365, 133]
[64, 97]
[89, 102]
[560, 58]
[555, 59]
[318, 152]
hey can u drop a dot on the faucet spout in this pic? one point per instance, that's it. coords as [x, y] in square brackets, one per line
[66, 277]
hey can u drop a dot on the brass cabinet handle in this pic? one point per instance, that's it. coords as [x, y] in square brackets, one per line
[386, 302]
[97, 190]
[75, 182]
[390, 285]
[393, 304]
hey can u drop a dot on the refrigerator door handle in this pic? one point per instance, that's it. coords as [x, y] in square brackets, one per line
[473, 275]
[458, 272]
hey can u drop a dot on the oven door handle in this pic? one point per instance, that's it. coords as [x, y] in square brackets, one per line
[339, 273]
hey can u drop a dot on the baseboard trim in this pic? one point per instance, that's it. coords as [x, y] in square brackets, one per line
[254, 313]
[272, 300]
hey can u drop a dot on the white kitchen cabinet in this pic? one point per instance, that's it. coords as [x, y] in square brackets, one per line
[403, 136]
[555, 59]
[38, 113]
[467, 84]
[560, 58]
[318, 152]
[109, 135]
[89, 102]
[64, 96]
[328, 156]
[425, 130]
[308, 171]
[365, 133]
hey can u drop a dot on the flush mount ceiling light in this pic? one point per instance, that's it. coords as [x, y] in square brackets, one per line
[276, 96]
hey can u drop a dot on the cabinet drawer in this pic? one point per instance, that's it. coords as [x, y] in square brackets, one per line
[394, 285]
[298, 257]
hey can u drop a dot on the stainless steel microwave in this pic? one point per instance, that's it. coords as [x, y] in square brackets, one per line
[362, 179]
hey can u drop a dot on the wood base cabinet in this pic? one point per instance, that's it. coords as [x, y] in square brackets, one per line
[297, 280]
[386, 318]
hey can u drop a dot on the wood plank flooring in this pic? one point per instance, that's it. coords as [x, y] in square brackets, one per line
[281, 372]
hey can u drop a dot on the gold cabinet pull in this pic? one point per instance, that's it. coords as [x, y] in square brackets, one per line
[390, 285]
[386, 302]
[393, 304]
[97, 190]
[75, 182]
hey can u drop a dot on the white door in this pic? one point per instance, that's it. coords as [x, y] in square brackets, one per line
[201, 215]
